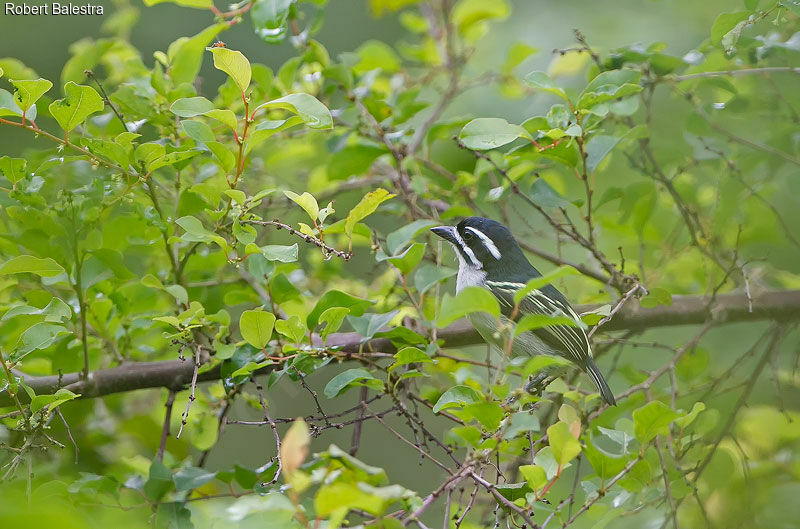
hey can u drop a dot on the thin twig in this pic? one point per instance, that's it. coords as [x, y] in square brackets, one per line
[90, 75]
[165, 428]
[326, 250]
[274, 429]
[189, 402]
[69, 432]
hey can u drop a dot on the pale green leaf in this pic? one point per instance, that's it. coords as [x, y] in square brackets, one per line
[28, 92]
[366, 206]
[80, 102]
[233, 63]
[45, 267]
[256, 327]
[456, 397]
[490, 133]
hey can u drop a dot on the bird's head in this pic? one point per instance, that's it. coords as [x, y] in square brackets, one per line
[485, 244]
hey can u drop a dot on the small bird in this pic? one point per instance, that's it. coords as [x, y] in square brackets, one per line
[490, 257]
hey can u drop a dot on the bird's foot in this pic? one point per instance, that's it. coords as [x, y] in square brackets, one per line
[536, 385]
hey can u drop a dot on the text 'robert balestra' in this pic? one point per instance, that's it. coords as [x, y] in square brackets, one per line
[52, 9]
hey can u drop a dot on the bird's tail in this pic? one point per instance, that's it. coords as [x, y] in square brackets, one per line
[597, 377]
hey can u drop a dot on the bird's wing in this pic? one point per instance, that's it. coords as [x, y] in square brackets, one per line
[571, 342]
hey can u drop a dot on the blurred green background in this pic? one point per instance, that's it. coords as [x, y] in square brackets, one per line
[546, 25]
[42, 43]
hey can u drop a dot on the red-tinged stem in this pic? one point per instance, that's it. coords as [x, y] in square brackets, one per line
[241, 140]
[547, 487]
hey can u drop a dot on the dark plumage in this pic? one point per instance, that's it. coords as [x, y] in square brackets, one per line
[490, 257]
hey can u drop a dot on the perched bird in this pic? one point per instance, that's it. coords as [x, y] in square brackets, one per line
[490, 257]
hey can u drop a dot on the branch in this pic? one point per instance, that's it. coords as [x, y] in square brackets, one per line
[734, 73]
[776, 306]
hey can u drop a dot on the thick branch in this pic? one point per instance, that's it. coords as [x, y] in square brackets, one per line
[685, 310]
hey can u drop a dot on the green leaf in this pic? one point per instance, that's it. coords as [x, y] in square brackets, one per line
[613, 78]
[171, 158]
[198, 131]
[52, 401]
[353, 160]
[565, 447]
[176, 291]
[369, 324]
[514, 491]
[270, 18]
[333, 317]
[604, 464]
[256, 327]
[45, 267]
[687, 419]
[337, 298]
[107, 149]
[56, 311]
[13, 169]
[366, 206]
[189, 478]
[223, 154]
[293, 328]
[197, 4]
[80, 102]
[9, 107]
[522, 422]
[470, 15]
[469, 300]
[195, 231]
[279, 252]
[159, 481]
[408, 260]
[606, 93]
[544, 195]
[490, 133]
[397, 240]
[233, 63]
[489, 414]
[39, 336]
[174, 515]
[597, 148]
[534, 475]
[189, 107]
[350, 378]
[186, 54]
[313, 113]
[542, 81]
[652, 419]
[456, 397]
[28, 92]
[224, 116]
[518, 52]
[726, 23]
[410, 355]
[429, 275]
[375, 54]
[657, 296]
[305, 201]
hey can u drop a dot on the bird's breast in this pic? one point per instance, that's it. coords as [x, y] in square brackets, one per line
[469, 276]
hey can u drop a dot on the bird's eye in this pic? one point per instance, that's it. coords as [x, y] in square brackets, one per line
[468, 236]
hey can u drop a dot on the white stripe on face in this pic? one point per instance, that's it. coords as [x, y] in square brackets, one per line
[467, 250]
[487, 242]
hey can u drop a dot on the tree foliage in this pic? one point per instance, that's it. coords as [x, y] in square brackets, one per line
[218, 241]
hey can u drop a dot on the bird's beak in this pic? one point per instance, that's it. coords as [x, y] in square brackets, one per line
[447, 233]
